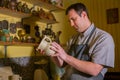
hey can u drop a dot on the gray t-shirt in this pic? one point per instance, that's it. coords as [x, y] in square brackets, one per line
[101, 51]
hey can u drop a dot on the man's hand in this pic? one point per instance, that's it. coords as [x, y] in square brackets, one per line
[41, 51]
[60, 52]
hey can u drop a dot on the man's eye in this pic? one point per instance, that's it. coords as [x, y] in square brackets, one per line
[73, 19]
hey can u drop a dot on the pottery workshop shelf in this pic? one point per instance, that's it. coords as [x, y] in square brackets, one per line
[17, 44]
[45, 5]
[34, 18]
[6, 44]
[13, 13]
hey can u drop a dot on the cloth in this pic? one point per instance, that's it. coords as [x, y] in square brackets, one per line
[39, 74]
[55, 70]
[101, 51]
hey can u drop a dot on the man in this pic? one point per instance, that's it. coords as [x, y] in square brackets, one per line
[100, 48]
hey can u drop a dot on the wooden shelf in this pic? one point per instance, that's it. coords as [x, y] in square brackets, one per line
[24, 15]
[34, 18]
[13, 13]
[45, 5]
[17, 44]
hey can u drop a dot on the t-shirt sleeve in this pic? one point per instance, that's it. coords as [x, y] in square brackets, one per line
[103, 52]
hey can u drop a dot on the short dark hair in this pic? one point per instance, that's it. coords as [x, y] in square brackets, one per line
[78, 7]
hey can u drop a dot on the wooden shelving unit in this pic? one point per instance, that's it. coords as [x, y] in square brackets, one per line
[25, 16]
[45, 5]
[34, 18]
[13, 13]
[17, 44]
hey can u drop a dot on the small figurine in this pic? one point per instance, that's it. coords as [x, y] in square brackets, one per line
[6, 34]
[15, 39]
[13, 28]
[19, 25]
[21, 33]
[4, 3]
[57, 37]
[4, 24]
[42, 14]
[57, 2]
[37, 33]
[19, 6]
[25, 8]
[53, 2]
[12, 5]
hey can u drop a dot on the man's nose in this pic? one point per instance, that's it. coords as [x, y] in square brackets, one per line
[71, 23]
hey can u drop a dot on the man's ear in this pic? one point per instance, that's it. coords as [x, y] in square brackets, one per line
[83, 14]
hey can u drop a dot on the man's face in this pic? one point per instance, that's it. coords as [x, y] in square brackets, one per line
[75, 20]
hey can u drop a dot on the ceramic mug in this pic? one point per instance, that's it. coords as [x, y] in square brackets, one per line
[48, 51]
[15, 77]
[45, 45]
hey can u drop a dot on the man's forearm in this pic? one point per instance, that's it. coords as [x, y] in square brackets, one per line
[84, 66]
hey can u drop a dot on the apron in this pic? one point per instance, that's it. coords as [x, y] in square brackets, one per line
[80, 52]
[73, 74]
